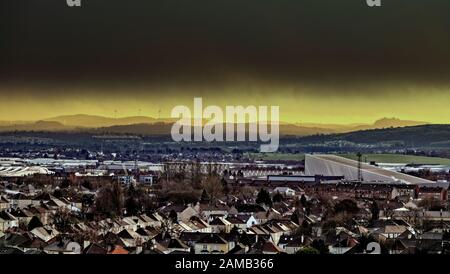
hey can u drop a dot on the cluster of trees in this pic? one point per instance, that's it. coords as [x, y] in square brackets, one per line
[112, 200]
[179, 188]
[213, 188]
[340, 213]
[264, 198]
[317, 247]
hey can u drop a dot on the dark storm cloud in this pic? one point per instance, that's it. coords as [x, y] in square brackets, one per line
[206, 41]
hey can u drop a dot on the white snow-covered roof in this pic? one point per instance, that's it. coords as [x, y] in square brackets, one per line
[401, 209]
[332, 165]
[21, 171]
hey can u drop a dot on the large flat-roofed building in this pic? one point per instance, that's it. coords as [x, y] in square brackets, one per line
[332, 165]
[22, 171]
[301, 178]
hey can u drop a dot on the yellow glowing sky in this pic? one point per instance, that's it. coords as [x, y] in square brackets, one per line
[305, 104]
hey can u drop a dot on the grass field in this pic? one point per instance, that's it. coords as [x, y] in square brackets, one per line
[398, 158]
[379, 158]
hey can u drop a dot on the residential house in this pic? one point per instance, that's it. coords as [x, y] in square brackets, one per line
[55, 204]
[211, 244]
[207, 210]
[405, 243]
[42, 212]
[340, 240]
[402, 192]
[118, 250]
[430, 243]
[179, 227]
[130, 238]
[198, 225]
[184, 213]
[20, 200]
[242, 221]
[15, 240]
[251, 209]
[290, 244]
[392, 231]
[7, 221]
[190, 238]
[151, 220]
[144, 234]
[264, 216]
[41, 198]
[33, 244]
[239, 249]
[175, 245]
[45, 233]
[220, 225]
[133, 222]
[4, 203]
[274, 229]
[28, 189]
[285, 191]
[63, 246]
[264, 246]
[95, 249]
[146, 179]
[437, 193]
[23, 215]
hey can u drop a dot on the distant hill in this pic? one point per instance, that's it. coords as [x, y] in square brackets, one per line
[138, 129]
[423, 135]
[388, 123]
[35, 126]
[428, 137]
[161, 128]
[93, 121]
[285, 128]
[143, 125]
[379, 124]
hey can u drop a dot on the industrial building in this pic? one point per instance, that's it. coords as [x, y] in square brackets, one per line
[22, 171]
[332, 165]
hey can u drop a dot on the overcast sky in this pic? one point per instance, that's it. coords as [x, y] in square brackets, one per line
[338, 59]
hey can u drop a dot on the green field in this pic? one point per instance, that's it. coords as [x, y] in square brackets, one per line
[398, 158]
[379, 158]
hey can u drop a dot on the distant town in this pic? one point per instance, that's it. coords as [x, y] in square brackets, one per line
[58, 199]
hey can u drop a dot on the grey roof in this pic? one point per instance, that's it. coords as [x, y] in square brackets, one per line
[10, 250]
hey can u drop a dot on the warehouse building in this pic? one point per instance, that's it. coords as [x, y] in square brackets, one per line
[332, 165]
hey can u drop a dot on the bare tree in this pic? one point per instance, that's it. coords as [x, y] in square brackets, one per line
[213, 187]
[110, 200]
[62, 219]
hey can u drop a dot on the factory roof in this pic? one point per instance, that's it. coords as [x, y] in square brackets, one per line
[366, 168]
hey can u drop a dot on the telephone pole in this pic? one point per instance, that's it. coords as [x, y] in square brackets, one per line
[360, 177]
